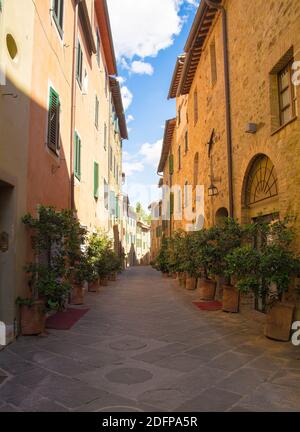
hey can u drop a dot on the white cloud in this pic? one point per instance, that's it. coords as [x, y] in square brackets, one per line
[130, 118]
[150, 153]
[121, 80]
[129, 168]
[127, 97]
[143, 28]
[142, 68]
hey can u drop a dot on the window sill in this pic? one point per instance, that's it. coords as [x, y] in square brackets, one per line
[284, 125]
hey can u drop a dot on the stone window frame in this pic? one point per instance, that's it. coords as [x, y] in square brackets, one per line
[275, 105]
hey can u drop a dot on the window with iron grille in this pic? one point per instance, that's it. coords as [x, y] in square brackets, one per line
[79, 64]
[53, 121]
[286, 92]
[77, 156]
[58, 14]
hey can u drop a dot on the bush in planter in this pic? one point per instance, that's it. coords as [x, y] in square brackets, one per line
[162, 259]
[203, 255]
[56, 238]
[267, 272]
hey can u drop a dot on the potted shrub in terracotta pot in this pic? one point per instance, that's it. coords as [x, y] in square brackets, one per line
[162, 261]
[225, 239]
[267, 272]
[47, 272]
[202, 253]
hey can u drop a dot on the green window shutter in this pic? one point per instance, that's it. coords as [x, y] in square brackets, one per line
[53, 121]
[96, 180]
[79, 64]
[172, 203]
[77, 156]
[98, 47]
[171, 164]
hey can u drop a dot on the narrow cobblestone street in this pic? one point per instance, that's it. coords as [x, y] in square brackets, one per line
[144, 346]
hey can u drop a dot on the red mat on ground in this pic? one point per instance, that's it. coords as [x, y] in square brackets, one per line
[65, 320]
[209, 306]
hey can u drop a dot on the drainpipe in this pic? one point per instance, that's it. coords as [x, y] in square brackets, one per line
[212, 4]
[73, 106]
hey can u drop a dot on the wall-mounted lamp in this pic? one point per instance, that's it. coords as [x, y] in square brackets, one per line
[212, 190]
[251, 128]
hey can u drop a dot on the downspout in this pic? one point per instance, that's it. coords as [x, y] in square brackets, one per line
[73, 107]
[212, 4]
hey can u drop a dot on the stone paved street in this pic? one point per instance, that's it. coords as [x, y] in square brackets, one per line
[144, 346]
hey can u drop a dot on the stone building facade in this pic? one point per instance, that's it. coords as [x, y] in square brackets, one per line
[263, 44]
[240, 79]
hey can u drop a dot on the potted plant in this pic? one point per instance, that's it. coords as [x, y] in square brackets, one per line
[226, 238]
[48, 288]
[190, 265]
[177, 256]
[267, 272]
[203, 254]
[162, 262]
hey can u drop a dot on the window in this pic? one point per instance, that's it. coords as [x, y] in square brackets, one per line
[186, 194]
[213, 63]
[171, 164]
[58, 14]
[96, 180]
[53, 121]
[106, 83]
[196, 169]
[105, 136]
[77, 156]
[171, 203]
[287, 99]
[106, 194]
[186, 142]
[114, 167]
[79, 64]
[98, 47]
[110, 158]
[179, 158]
[96, 112]
[179, 116]
[196, 113]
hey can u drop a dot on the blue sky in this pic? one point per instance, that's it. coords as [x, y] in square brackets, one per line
[148, 36]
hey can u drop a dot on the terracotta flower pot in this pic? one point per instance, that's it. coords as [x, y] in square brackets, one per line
[174, 275]
[77, 295]
[191, 283]
[94, 286]
[231, 299]
[207, 289]
[279, 321]
[33, 318]
[104, 281]
[165, 275]
[182, 279]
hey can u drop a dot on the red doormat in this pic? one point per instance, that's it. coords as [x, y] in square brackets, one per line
[65, 320]
[209, 306]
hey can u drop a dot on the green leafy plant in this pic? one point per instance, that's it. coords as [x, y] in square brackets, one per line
[57, 239]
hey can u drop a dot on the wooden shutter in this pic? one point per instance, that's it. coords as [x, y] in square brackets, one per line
[171, 203]
[79, 64]
[96, 180]
[53, 121]
[77, 157]
[96, 112]
[171, 164]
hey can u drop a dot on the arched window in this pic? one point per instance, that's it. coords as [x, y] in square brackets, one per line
[221, 216]
[262, 182]
[196, 169]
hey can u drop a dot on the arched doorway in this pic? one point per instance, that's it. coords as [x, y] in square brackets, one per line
[221, 215]
[261, 189]
[261, 200]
